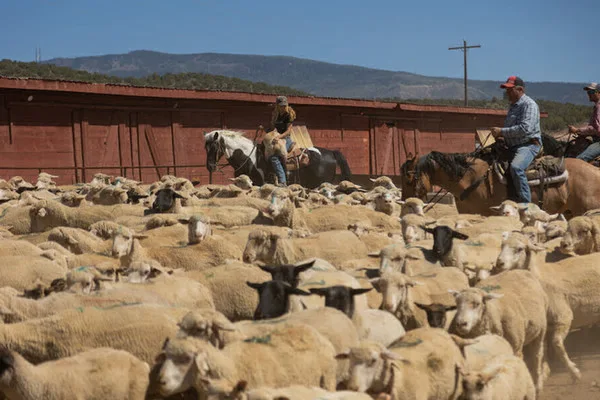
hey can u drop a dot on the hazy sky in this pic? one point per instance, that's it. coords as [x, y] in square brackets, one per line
[549, 40]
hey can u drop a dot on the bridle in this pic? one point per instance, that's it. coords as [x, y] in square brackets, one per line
[221, 152]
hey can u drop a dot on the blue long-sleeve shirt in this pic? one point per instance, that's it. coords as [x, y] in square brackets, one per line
[522, 123]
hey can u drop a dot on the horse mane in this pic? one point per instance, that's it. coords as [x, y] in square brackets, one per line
[228, 133]
[454, 164]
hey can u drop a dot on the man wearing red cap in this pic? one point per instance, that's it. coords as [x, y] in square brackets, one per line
[593, 127]
[521, 133]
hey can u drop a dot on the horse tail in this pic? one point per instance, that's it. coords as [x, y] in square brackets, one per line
[346, 175]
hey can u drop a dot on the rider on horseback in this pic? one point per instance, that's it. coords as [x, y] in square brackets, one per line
[593, 127]
[521, 133]
[282, 118]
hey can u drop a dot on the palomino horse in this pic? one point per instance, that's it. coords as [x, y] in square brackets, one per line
[458, 171]
[247, 157]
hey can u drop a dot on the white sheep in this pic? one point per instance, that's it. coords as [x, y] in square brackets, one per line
[566, 282]
[421, 365]
[499, 305]
[101, 373]
[505, 377]
[291, 355]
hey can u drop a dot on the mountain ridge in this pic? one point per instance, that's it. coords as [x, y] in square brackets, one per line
[316, 77]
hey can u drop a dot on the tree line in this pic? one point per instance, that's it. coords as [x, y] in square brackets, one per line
[560, 115]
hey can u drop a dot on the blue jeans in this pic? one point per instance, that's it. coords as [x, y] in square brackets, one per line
[276, 162]
[591, 152]
[524, 155]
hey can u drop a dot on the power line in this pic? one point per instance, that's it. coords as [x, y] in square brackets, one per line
[464, 48]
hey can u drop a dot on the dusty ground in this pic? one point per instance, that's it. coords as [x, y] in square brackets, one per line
[584, 349]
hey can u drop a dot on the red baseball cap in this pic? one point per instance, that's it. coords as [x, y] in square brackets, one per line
[512, 81]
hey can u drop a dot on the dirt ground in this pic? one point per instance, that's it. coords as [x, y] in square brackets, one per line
[584, 349]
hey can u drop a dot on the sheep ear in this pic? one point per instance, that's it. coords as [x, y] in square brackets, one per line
[495, 209]
[318, 291]
[534, 247]
[357, 292]
[505, 235]
[412, 283]
[343, 355]
[139, 236]
[426, 229]
[422, 306]
[184, 221]
[390, 355]
[303, 267]
[492, 296]
[375, 282]
[267, 268]
[296, 291]
[71, 240]
[450, 308]
[459, 235]
[254, 285]
[454, 293]
[375, 254]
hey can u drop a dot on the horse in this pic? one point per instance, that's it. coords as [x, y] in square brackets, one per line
[477, 187]
[247, 157]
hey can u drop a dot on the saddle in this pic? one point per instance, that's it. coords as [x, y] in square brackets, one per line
[297, 158]
[543, 168]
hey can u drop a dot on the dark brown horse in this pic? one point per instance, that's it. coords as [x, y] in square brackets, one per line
[476, 187]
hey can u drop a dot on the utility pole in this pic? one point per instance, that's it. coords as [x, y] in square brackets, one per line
[464, 48]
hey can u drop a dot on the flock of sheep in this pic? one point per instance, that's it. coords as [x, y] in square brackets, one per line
[115, 289]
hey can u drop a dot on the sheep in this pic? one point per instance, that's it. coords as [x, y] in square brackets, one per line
[243, 182]
[137, 328]
[101, 178]
[384, 202]
[461, 255]
[78, 241]
[480, 351]
[214, 327]
[582, 236]
[572, 285]
[106, 229]
[73, 199]
[325, 218]
[273, 249]
[160, 220]
[11, 247]
[164, 290]
[530, 215]
[517, 315]
[436, 313]
[45, 215]
[21, 272]
[555, 229]
[198, 228]
[290, 355]
[412, 205]
[412, 228]
[410, 261]
[225, 390]
[230, 294]
[421, 365]
[94, 374]
[110, 195]
[165, 202]
[384, 181]
[507, 208]
[400, 292]
[375, 325]
[211, 252]
[505, 377]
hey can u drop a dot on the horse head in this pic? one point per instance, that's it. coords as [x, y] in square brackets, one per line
[412, 179]
[215, 148]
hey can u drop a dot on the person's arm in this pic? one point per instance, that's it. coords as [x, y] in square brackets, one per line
[525, 125]
[593, 128]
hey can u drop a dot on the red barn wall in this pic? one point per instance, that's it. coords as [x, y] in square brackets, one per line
[146, 137]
